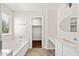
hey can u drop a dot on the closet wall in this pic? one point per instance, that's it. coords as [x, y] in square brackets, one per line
[37, 28]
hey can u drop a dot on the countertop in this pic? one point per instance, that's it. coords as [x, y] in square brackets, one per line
[69, 42]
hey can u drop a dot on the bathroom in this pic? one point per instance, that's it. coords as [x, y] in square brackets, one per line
[43, 23]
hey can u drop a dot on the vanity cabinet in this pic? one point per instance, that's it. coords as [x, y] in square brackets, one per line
[58, 48]
[69, 50]
[63, 48]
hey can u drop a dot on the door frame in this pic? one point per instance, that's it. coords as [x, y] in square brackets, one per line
[31, 31]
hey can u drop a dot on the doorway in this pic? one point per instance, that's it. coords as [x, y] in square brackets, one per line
[36, 32]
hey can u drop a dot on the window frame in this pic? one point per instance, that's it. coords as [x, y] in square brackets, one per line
[9, 23]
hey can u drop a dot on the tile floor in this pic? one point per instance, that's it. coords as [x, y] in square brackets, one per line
[40, 52]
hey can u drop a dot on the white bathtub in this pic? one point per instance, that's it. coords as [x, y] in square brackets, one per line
[21, 50]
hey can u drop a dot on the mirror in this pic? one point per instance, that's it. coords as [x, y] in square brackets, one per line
[69, 24]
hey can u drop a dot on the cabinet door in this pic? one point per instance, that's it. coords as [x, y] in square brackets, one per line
[58, 48]
[69, 50]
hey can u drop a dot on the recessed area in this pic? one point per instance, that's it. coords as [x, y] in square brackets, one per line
[37, 31]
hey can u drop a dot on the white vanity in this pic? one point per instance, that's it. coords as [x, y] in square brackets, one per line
[65, 47]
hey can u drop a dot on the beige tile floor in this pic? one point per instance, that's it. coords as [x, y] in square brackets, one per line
[40, 52]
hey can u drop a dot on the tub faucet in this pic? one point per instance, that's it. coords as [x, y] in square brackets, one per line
[75, 39]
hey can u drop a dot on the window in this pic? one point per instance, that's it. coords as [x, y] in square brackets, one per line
[5, 23]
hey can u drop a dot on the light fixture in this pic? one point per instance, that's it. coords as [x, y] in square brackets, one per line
[69, 5]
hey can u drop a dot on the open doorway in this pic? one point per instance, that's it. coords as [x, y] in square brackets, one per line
[37, 32]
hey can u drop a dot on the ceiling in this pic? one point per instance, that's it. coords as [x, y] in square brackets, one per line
[32, 6]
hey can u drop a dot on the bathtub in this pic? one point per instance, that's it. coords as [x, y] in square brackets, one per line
[21, 49]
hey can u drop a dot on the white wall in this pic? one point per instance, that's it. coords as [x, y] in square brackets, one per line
[25, 18]
[51, 23]
[51, 27]
[8, 39]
